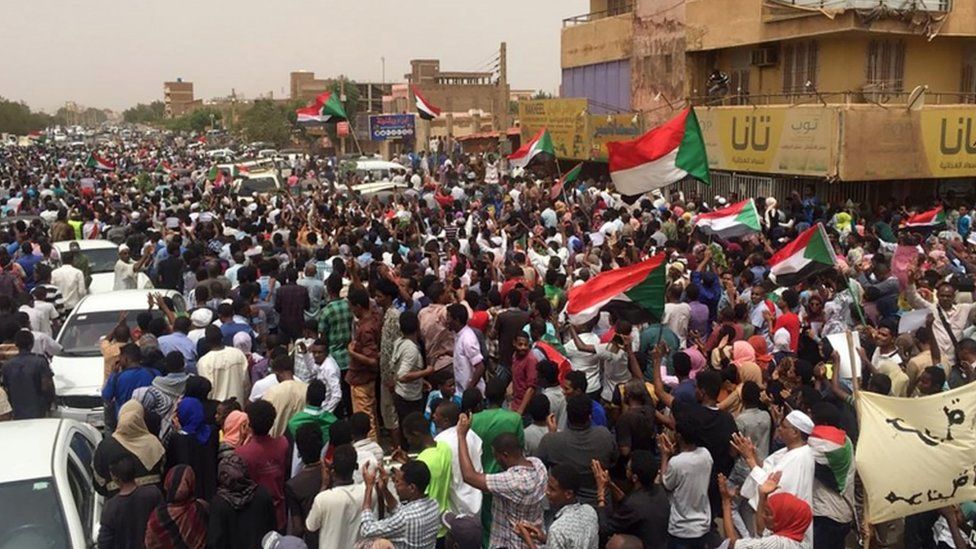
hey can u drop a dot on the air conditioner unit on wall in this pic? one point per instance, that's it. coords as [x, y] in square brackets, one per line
[766, 56]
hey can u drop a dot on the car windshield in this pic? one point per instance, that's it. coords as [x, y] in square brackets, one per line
[257, 185]
[82, 333]
[36, 521]
[102, 260]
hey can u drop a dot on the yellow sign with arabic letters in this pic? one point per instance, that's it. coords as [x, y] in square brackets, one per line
[949, 135]
[795, 140]
[576, 134]
[936, 462]
[564, 118]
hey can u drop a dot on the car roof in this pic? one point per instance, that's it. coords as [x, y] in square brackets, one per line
[378, 165]
[34, 441]
[63, 245]
[119, 300]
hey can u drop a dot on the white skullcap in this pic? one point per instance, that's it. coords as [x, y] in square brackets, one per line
[801, 421]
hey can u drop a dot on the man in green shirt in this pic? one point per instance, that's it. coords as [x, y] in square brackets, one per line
[489, 424]
[313, 412]
[437, 456]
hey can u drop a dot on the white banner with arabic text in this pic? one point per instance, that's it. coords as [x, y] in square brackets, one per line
[916, 454]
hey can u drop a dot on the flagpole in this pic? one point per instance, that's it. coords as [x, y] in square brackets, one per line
[855, 382]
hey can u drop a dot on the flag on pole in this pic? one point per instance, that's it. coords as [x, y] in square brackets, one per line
[807, 255]
[164, 168]
[924, 220]
[425, 109]
[569, 178]
[663, 156]
[326, 108]
[736, 220]
[538, 146]
[99, 163]
[635, 292]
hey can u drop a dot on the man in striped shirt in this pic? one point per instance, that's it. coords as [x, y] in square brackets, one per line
[52, 294]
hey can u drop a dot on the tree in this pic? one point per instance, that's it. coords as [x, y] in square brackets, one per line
[267, 121]
[16, 117]
[542, 95]
[201, 119]
[145, 114]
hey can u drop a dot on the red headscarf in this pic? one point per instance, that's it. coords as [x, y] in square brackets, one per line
[791, 515]
[763, 358]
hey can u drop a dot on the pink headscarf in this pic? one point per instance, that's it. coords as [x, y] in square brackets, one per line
[698, 361]
[742, 353]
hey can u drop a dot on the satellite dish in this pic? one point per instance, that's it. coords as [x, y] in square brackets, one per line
[916, 99]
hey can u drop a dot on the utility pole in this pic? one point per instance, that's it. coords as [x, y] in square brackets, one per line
[503, 94]
[342, 98]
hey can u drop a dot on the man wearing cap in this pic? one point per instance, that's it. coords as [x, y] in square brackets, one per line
[795, 462]
[126, 271]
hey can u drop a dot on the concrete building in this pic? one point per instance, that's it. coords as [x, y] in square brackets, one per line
[304, 86]
[829, 100]
[595, 56]
[792, 93]
[178, 97]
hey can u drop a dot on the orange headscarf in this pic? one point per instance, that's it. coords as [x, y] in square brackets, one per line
[234, 428]
[763, 358]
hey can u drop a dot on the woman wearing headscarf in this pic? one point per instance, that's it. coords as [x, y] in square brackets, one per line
[181, 521]
[234, 433]
[781, 345]
[763, 357]
[194, 443]
[132, 438]
[199, 387]
[784, 515]
[242, 512]
[744, 362]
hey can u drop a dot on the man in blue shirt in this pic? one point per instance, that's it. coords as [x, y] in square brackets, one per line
[230, 323]
[179, 341]
[574, 383]
[130, 376]
[27, 261]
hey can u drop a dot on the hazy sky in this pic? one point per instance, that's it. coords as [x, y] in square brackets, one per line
[115, 53]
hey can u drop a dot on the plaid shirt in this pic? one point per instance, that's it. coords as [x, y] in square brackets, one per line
[412, 525]
[336, 323]
[518, 493]
[575, 527]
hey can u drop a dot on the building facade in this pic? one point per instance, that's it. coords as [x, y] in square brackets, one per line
[178, 97]
[792, 93]
[595, 56]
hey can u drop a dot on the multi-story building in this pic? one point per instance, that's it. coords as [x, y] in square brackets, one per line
[304, 86]
[595, 56]
[876, 95]
[798, 92]
[178, 97]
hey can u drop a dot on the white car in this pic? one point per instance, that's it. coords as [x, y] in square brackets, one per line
[79, 367]
[102, 256]
[47, 485]
[263, 183]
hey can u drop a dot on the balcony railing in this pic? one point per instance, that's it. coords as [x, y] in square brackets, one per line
[597, 15]
[834, 98]
[892, 5]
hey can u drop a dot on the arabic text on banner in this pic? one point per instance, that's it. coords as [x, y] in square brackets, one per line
[916, 454]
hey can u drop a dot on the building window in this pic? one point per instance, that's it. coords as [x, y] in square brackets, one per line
[968, 82]
[668, 63]
[619, 7]
[886, 66]
[739, 86]
[799, 67]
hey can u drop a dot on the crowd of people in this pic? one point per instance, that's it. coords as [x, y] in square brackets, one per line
[358, 372]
